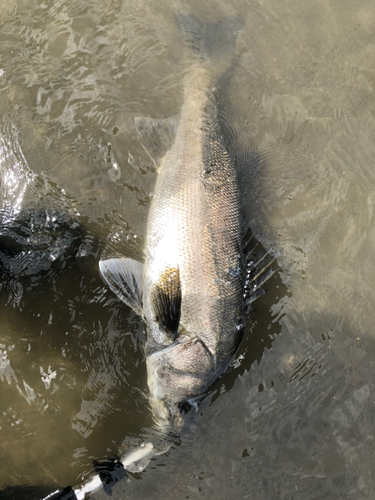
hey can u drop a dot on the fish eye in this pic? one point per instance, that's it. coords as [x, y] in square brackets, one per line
[184, 407]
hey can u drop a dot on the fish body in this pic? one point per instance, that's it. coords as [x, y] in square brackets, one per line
[191, 288]
[193, 244]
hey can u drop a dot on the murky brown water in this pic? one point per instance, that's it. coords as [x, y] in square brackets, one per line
[293, 418]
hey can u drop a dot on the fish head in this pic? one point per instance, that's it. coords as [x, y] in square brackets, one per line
[177, 374]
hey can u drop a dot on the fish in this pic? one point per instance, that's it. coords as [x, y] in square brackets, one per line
[190, 288]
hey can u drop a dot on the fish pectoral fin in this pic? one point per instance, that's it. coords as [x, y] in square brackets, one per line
[156, 135]
[166, 300]
[124, 277]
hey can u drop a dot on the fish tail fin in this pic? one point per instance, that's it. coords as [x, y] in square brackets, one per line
[210, 41]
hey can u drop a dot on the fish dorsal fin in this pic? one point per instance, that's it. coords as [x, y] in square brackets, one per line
[166, 300]
[124, 277]
[261, 265]
[156, 135]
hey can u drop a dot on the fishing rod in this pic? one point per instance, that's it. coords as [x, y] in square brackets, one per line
[110, 472]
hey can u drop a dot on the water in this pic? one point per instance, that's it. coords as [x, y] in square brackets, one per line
[293, 418]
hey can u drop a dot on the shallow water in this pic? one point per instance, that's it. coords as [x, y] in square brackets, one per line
[293, 418]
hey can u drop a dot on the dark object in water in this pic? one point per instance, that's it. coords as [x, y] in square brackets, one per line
[38, 240]
[24, 492]
[110, 472]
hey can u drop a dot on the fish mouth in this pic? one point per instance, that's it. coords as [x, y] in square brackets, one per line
[170, 416]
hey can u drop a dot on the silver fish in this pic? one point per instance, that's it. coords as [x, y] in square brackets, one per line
[190, 288]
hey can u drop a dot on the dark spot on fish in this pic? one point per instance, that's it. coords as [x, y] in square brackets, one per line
[217, 165]
[184, 407]
[166, 300]
[234, 272]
